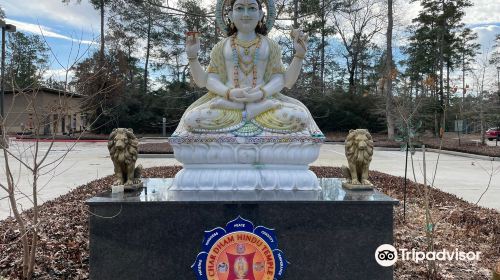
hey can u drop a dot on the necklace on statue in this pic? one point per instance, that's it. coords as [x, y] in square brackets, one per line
[246, 45]
[246, 67]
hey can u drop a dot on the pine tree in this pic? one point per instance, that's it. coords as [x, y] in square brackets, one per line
[388, 74]
[357, 22]
[495, 61]
[27, 57]
[99, 5]
[433, 44]
[144, 20]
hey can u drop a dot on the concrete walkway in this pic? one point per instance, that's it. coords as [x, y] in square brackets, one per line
[463, 176]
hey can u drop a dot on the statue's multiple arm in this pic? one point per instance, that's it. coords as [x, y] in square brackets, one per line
[292, 72]
[277, 82]
[192, 47]
[215, 85]
[199, 74]
[300, 45]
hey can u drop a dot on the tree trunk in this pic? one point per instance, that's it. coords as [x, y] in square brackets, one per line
[34, 238]
[130, 71]
[295, 13]
[498, 82]
[148, 46]
[362, 78]
[352, 85]
[481, 105]
[463, 79]
[388, 71]
[352, 74]
[322, 65]
[447, 84]
[441, 70]
[17, 215]
[101, 51]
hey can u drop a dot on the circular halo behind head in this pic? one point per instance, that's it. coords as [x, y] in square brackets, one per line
[222, 22]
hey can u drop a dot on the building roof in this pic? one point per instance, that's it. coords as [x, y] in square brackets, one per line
[48, 90]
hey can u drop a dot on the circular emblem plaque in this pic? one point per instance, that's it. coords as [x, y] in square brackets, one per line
[240, 251]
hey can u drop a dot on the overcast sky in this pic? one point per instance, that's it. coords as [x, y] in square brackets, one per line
[64, 25]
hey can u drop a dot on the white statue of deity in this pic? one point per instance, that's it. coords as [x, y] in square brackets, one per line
[245, 109]
[244, 80]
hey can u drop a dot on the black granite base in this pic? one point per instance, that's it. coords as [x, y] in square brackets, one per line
[155, 234]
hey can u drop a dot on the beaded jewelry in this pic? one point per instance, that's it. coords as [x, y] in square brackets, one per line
[246, 45]
[264, 94]
[237, 65]
[227, 93]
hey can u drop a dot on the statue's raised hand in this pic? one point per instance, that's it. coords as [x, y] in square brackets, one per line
[192, 43]
[299, 42]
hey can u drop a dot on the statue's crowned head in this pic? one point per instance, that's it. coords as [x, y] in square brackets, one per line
[233, 16]
[246, 15]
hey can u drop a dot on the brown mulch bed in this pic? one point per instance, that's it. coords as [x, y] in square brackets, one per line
[84, 136]
[63, 248]
[155, 148]
[464, 147]
[379, 139]
[450, 143]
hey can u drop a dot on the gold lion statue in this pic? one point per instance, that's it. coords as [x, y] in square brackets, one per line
[359, 152]
[496, 272]
[122, 146]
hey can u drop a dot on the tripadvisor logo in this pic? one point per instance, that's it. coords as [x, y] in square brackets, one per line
[387, 255]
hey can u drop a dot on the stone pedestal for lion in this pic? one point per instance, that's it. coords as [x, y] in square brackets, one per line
[273, 162]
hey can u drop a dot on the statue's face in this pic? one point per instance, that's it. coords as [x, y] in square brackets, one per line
[246, 15]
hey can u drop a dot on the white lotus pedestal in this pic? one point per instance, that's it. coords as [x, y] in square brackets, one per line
[246, 163]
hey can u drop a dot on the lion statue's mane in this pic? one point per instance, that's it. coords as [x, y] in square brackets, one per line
[359, 152]
[122, 146]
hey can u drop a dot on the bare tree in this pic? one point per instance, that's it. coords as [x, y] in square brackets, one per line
[357, 22]
[479, 85]
[388, 73]
[32, 157]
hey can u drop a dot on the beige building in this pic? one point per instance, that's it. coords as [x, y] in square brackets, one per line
[50, 111]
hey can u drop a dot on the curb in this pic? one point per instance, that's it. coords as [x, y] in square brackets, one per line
[446, 152]
[156, 155]
[60, 140]
[454, 153]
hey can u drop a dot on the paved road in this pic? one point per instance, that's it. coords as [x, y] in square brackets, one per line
[463, 176]
[492, 143]
[84, 163]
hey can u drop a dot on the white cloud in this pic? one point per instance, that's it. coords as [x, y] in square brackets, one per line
[80, 16]
[58, 74]
[483, 11]
[486, 35]
[43, 31]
